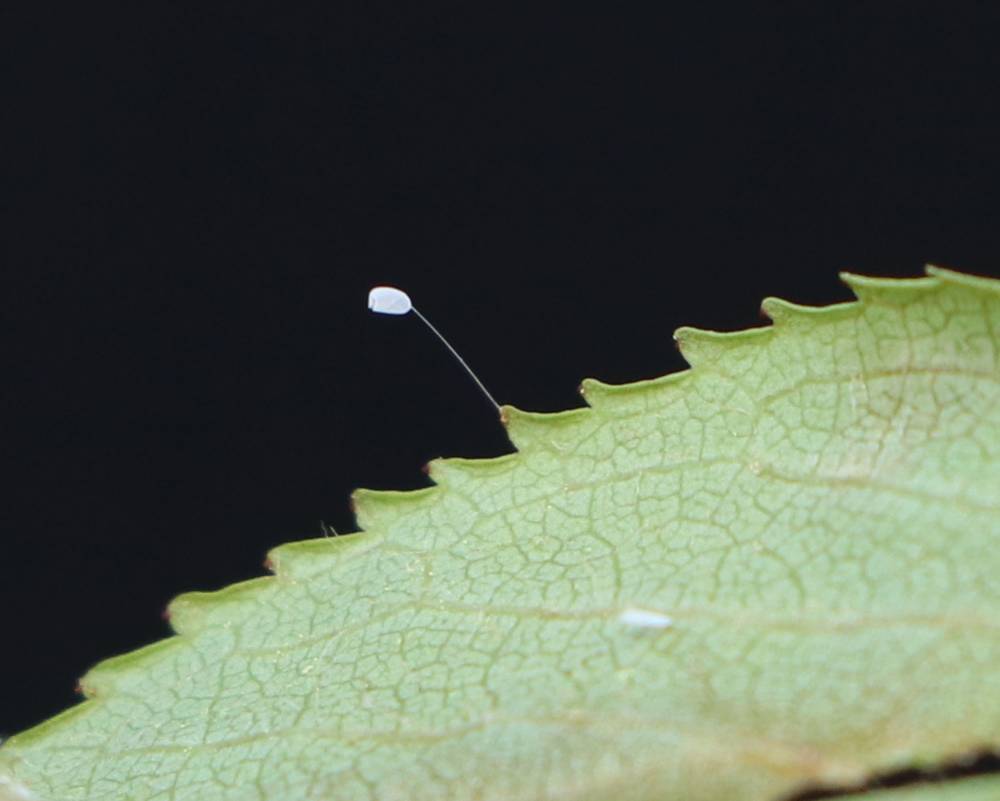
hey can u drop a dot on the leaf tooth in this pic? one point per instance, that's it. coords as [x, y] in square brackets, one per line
[699, 346]
[456, 471]
[94, 683]
[977, 282]
[545, 430]
[380, 509]
[187, 612]
[599, 395]
[780, 311]
[784, 313]
[594, 392]
[888, 291]
[298, 560]
[102, 679]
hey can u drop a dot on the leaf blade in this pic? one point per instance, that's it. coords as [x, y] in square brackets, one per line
[812, 506]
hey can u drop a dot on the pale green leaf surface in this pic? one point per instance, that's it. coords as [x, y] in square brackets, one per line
[980, 788]
[815, 506]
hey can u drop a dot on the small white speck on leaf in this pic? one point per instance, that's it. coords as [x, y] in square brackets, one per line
[9, 788]
[644, 618]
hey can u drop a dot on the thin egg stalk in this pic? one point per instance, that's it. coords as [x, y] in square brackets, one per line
[389, 300]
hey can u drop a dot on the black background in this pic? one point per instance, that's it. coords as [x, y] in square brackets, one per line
[196, 202]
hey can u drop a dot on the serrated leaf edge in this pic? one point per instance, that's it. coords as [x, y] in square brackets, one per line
[376, 509]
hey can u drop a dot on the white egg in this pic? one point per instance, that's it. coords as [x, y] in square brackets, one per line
[389, 300]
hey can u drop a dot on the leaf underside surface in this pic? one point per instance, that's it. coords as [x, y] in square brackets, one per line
[985, 788]
[778, 569]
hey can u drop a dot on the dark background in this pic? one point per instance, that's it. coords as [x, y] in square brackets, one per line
[195, 203]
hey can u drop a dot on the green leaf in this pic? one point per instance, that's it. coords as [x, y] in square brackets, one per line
[982, 788]
[810, 518]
